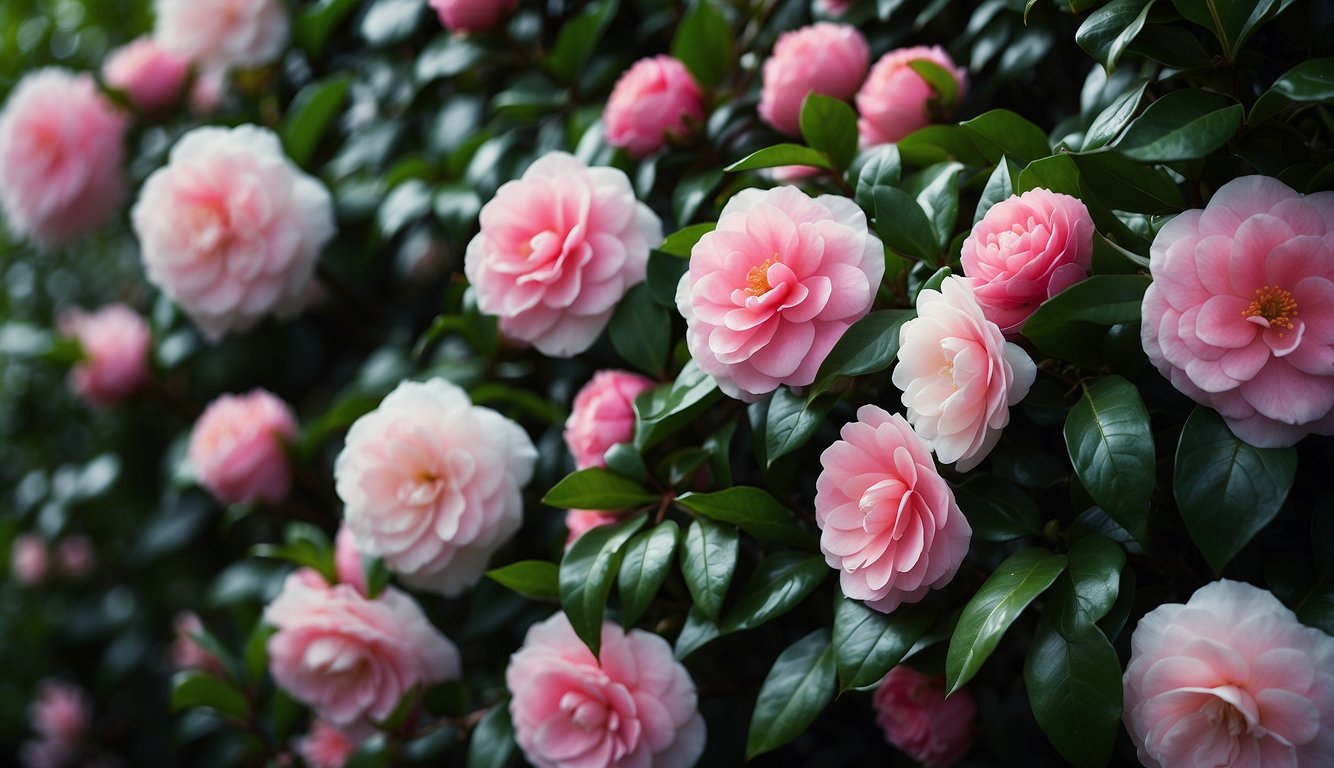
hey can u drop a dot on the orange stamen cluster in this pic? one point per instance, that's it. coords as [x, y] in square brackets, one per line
[757, 279]
[1273, 304]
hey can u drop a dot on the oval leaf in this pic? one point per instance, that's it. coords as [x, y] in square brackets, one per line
[1182, 125]
[597, 488]
[1074, 685]
[868, 346]
[780, 582]
[1071, 324]
[1111, 447]
[537, 579]
[780, 155]
[752, 510]
[648, 558]
[586, 574]
[797, 689]
[708, 560]
[792, 422]
[192, 688]
[868, 643]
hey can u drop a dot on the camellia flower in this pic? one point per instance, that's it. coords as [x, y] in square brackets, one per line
[28, 559]
[1231, 678]
[431, 484]
[186, 652]
[60, 157]
[61, 712]
[238, 448]
[221, 34]
[230, 229]
[1240, 315]
[1024, 251]
[775, 285]
[654, 99]
[603, 415]
[958, 374]
[347, 560]
[634, 705]
[349, 658]
[472, 15]
[833, 7]
[914, 714]
[326, 746]
[888, 521]
[825, 58]
[894, 99]
[149, 74]
[115, 341]
[558, 248]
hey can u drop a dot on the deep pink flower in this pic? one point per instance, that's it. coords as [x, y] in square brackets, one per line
[326, 746]
[472, 15]
[221, 34]
[581, 521]
[603, 415]
[558, 248]
[912, 710]
[75, 556]
[633, 706]
[148, 73]
[1231, 678]
[60, 157]
[775, 285]
[61, 712]
[888, 521]
[654, 99]
[29, 559]
[238, 448]
[115, 341]
[893, 100]
[1240, 315]
[825, 58]
[958, 374]
[186, 652]
[1025, 250]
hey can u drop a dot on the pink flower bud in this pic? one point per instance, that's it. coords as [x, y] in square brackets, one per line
[654, 99]
[115, 341]
[472, 15]
[893, 101]
[149, 74]
[825, 58]
[603, 415]
[238, 448]
[912, 710]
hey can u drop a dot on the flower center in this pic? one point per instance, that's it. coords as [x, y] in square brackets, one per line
[1219, 712]
[424, 488]
[757, 279]
[1273, 304]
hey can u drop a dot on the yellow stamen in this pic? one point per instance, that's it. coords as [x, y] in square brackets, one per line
[1273, 304]
[757, 279]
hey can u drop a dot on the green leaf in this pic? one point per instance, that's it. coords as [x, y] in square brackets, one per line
[830, 126]
[492, 742]
[703, 43]
[192, 688]
[937, 193]
[648, 559]
[1074, 685]
[1111, 448]
[664, 275]
[389, 22]
[682, 242]
[1090, 585]
[578, 39]
[1114, 118]
[1071, 324]
[868, 643]
[596, 488]
[1230, 21]
[939, 144]
[625, 461]
[641, 331]
[315, 23]
[792, 422]
[708, 561]
[1309, 82]
[1108, 30]
[536, 579]
[796, 690]
[903, 225]
[997, 510]
[868, 346]
[312, 110]
[1056, 173]
[1000, 133]
[256, 655]
[661, 411]
[587, 572]
[943, 85]
[999, 187]
[880, 168]
[1227, 490]
[1182, 125]
[376, 573]
[1127, 185]
[998, 602]
[780, 155]
[691, 192]
[448, 55]
[779, 584]
[752, 510]
[697, 632]
[305, 544]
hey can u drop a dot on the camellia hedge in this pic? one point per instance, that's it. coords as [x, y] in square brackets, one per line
[658, 383]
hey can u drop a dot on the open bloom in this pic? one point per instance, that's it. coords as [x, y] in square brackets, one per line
[633, 706]
[431, 483]
[825, 58]
[61, 712]
[603, 415]
[149, 74]
[558, 248]
[914, 714]
[775, 285]
[472, 15]
[654, 99]
[894, 101]
[888, 521]
[1240, 315]
[958, 374]
[239, 448]
[221, 34]
[1231, 678]
[115, 341]
[60, 157]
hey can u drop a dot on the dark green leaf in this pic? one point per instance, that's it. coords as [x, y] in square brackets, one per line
[256, 656]
[697, 632]
[537, 579]
[830, 125]
[703, 43]
[797, 689]
[313, 109]
[868, 346]
[752, 510]
[448, 55]
[664, 275]
[578, 39]
[1230, 21]
[1108, 30]
[587, 572]
[1182, 125]
[903, 225]
[939, 144]
[641, 331]
[313, 25]
[1056, 173]
[1111, 120]
[1000, 133]
[941, 80]
[1000, 187]
[880, 168]
[1091, 584]
[682, 242]
[792, 422]
[1074, 685]
[389, 22]
[596, 488]
[1111, 448]
[1071, 324]
[780, 582]
[868, 643]
[625, 461]
[661, 411]
[708, 561]
[997, 510]
[780, 155]
[648, 558]
[937, 192]
[1127, 185]
[1310, 82]
[193, 688]
[492, 743]
[691, 192]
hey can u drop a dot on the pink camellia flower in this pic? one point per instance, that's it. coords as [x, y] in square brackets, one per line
[912, 710]
[603, 415]
[472, 15]
[558, 248]
[833, 7]
[775, 285]
[1231, 678]
[207, 91]
[1240, 315]
[958, 374]
[431, 483]
[221, 34]
[635, 705]
[230, 229]
[894, 100]
[654, 99]
[186, 652]
[28, 559]
[60, 157]
[238, 448]
[1024, 251]
[347, 560]
[326, 746]
[825, 58]
[75, 556]
[149, 74]
[888, 521]
[115, 341]
[581, 521]
[349, 658]
[61, 712]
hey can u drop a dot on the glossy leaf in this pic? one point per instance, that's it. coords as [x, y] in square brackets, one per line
[1057, 173]
[703, 43]
[999, 187]
[1231, 22]
[708, 561]
[1091, 583]
[1074, 685]
[537, 579]
[868, 643]
[936, 190]
[903, 225]
[641, 331]
[662, 410]
[792, 422]
[799, 686]
[587, 572]
[1107, 32]
[697, 632]
[596, 488]
[1111, 447]
[664, 275]
[753, 510]
[1114, 118]
[1309, 82]
[1127, 185]
[192, 688]
[1071, 324]
[1000, 133]
[780, 155]
[780, 582]
[1182, 125]
[943, 85]
[578, 39]
[880, 168]
[868, 346]
[492, 742]
[647, 561]
[308, 119]
[681, 242]
[830, 125]
[997, 510]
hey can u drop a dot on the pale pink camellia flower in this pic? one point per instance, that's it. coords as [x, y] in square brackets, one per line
[1025, 250]
[634, 705]
[62, 711]
[239, 448]
[75, 556]
[914, 714]
[603, 415]
[472, 15]
[207, 91]
[347, 560]
[61, 146]
[581, 521]
[558, 248]
[894, 100]
[654, 99]
[1240, 314]
[186, 652]
[222, 34]
[115, 341]
[29, 560]
[825, 58]
[1230, 678]
[888, 521]
[352, 659]
[958, 374]
[431, 484]
[326, 746]
[771, 290]
[150, 75]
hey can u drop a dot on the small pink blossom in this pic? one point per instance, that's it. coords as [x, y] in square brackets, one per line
[347, 560]
[1240, 314]
[148, 73]
[221, 34]
[208, 90]
[29, 560]
[186, 652]
[958, 374]
[895, 100]
[115, 341]
[61, 712]
[888, 521]
[581, 521]
[75, 556]
[825, 58]
[1024, 251]
[61, 146]
[326, 746]
[1231, 678]
[833, 7]
[603, 415]
[634, 705]
[239, 448]
[912, 710]
[654, 99]
[472, 15]
[771, 290]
